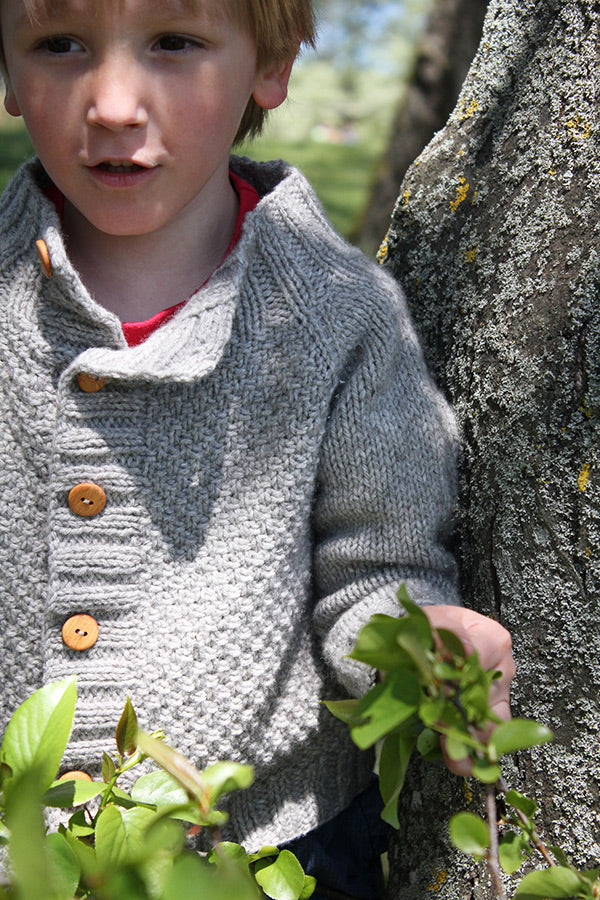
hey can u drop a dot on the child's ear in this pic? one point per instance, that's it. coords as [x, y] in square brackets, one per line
[271, 85]
[10, 101]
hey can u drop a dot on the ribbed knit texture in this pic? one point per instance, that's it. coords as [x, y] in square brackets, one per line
[276, 461]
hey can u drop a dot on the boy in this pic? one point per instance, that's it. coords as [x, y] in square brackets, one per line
[221, 452]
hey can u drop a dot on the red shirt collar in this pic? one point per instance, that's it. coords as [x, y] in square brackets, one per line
[137, 332]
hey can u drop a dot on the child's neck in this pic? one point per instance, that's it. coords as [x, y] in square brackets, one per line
[137, 276]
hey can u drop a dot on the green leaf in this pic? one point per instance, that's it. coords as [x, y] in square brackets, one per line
[394, 758]
[431, 710]
[108, 767]
[38, 731]
[85, 854]
[165, 840]
[79, 825]
[512, 850]
[524, 804]
[309, 888]
[428, 745]
[556, 883]
[475, 701]
[4, 834]
[189, 879]
[518, 734]
[173, 762]
[226, 852]
[72, 792]
[126, 734]
[263, 853]
[452, 643]
[377, 646]
[487, 772]
[29, 859]
[192, 879]
[470, 834]
[111, 838]
[409, 639]
[121, 798]
[223, 777]
[124, 884]
[459, 736]
[413, 610]
[159, 789]
[386, 706]
[64, 865]
[120, 835]
[446, 671]
[281, 878]
[456, 747]
[559, 854]
[347, 711]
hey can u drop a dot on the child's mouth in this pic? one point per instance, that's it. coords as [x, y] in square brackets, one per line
[116, 167]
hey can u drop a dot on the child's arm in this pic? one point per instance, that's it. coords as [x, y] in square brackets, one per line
[386, 498]
[386, 485]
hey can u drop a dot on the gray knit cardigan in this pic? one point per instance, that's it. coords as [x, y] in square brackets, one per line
[276, 462]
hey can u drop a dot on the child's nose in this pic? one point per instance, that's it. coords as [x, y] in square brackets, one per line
[116, 101]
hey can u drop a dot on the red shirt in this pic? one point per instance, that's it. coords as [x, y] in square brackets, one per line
[137, 332]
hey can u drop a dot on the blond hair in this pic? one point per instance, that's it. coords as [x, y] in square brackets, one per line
[278, 27]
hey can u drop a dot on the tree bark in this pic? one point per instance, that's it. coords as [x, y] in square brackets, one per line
[445, 52]
[495, 239]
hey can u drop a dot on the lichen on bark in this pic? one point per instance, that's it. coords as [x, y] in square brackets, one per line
[495, 239]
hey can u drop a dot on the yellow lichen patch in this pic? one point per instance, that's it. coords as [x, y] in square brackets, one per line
[587, 553]
[405, 197]
[471, 254]
[439, 877]
[584, 477]
[461, 192]
[383, 251]
[552, 171]
[578, 128]
[468, 108]
[467, 792]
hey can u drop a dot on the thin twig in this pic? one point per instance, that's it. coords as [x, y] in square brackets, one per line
[535, 838]
[493, 857]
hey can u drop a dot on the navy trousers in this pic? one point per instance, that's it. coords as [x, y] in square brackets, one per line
[344, 855]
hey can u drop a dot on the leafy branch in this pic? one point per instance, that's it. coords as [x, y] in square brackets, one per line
[120, 845]
[430, 689]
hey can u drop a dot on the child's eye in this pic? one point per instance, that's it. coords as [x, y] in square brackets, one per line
[175, 43]
[61, 44]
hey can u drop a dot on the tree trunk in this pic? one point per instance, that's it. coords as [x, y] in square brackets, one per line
[445, 53]
[495, 238]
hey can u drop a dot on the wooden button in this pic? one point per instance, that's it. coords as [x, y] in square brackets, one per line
[80, 632]
[44, 256]
[87, 499]
[90, 383]
[75, 775]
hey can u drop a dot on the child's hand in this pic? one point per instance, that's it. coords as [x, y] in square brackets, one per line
[494, 646]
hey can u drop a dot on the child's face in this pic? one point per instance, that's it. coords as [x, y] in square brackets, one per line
[133, 105]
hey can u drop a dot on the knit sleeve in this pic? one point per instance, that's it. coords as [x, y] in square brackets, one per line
[386, 490]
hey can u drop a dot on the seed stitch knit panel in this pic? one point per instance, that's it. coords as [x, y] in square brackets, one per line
[276, 462]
